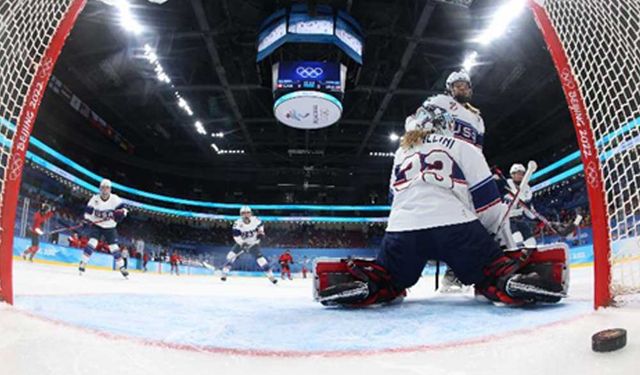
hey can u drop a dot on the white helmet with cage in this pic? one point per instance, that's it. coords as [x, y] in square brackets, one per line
[245, 209]
[431, 118]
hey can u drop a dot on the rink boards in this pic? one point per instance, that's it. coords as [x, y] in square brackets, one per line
[64, 255]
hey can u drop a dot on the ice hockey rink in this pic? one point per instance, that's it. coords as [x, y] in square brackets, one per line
[160, 324]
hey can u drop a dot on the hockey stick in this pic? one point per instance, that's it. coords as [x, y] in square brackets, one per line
[74, 227]
[208, 266]
[560, 229]
[531, 167]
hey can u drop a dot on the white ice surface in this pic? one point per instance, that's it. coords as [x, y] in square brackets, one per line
[159, 324]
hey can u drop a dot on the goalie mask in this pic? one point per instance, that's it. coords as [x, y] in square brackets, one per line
[431, 119]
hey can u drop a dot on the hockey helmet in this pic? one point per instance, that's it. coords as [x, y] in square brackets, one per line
[105, 183]
[459, 76]
[517, 167]
[245, 209]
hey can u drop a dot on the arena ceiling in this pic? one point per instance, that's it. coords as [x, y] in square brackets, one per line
[208, 49]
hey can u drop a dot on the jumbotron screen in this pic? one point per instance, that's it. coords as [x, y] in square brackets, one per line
[308, 75]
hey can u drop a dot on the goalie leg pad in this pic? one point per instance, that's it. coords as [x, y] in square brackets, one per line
[528, 276]
[353, 282]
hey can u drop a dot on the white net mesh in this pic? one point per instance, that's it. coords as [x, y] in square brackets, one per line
[26, 29]
[602, 42]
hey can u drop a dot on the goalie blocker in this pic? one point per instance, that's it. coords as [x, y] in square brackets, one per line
[519, 277]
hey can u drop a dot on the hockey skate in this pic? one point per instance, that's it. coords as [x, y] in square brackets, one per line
[124, 273]
[451, 283]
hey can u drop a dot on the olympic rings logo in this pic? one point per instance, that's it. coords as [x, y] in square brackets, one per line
[309, 72]
[15, 169]
[47, 67]
[591, 175]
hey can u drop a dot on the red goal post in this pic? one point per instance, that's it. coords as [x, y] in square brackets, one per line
[32, 34]
[595, 46]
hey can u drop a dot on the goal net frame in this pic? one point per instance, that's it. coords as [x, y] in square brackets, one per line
[11, 168]
[598, 45]
[23, 99]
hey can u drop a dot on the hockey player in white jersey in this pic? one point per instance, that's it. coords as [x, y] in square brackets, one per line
[248, 230]
[521, 221]
[447, 207]
[102, 215]
[469, 125]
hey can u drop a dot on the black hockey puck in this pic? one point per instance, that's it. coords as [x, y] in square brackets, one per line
[609, 340]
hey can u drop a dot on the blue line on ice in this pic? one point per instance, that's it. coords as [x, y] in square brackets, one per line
[293, 324]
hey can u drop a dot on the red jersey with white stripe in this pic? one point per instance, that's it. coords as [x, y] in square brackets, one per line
[39, 219]
[443, 181]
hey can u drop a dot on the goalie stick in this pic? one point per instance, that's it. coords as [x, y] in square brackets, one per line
[560, 229]
[208, 266]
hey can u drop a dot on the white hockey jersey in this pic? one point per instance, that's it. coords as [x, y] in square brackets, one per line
[469, 124]
[101, 212]
[247, 234]
[442, 182]
[526, 195]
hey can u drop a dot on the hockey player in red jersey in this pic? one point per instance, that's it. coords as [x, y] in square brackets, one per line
[175, 259]
[285, 261]
[44, 213]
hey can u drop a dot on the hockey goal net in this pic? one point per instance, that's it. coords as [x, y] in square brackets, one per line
[31, 36]
[595, 46]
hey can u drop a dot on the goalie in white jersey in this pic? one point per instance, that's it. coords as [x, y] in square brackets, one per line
[469, 125]
[248, 230]
[102, 215]
[446, 207]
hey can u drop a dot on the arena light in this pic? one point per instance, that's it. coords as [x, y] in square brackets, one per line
[184, 105]
[394, 137]
[200, 128]
[127, 20]
[470, 61]
[382, 154]
[235, 152]
[215, 147]
[217, 135]
[501, 20]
